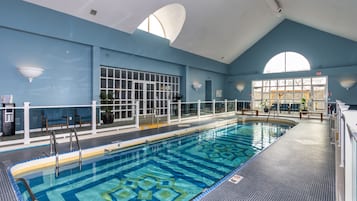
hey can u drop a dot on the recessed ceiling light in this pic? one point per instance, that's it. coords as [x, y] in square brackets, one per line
[93, 12]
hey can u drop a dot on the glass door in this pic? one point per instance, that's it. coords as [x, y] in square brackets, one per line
[144, 93]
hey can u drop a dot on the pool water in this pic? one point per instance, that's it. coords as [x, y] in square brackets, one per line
[175, 169]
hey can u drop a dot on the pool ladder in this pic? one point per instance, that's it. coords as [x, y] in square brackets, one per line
[54, 150]
[28, 189]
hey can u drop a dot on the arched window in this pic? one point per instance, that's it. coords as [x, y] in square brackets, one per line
[166, 22]
[153, 25]
[287, 62]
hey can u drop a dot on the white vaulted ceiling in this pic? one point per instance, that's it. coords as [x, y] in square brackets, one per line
[217, 29]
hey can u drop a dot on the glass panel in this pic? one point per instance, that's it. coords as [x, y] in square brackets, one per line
[273, 82]
[110, 83]
[123, 74]
[257, 93]
[266, 83]
[257, 83]
[297, 82]
[289, 82]
[307, 81]
[319, 93]
[103, 83]
[103, 72]
[319, 80]
[281, 82]
[117, 73]
[110, 72]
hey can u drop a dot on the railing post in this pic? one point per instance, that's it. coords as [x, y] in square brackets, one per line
[235, 105]
[225, 106]
[214, 107]
[168, 111]
[137, 114]
[26, 122]
[94, 117]
[179, 110]
[199, 109]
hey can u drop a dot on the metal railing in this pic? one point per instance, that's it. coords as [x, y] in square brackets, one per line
[28, 189]
[53, 149]
[74, 131]
[343, 128]
[34, 123]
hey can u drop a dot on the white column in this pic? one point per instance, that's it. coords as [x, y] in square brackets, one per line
[137, 114]
[225, 106]
[214, 107]
[168, 112]
[179, 110]
[199, 109]
[235, 105]
[26, 122]
[94, 117]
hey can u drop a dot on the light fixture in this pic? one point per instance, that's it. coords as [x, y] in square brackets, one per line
[275, 6]
[240, 86]
[347, 83]
[196, 85]
[30, 72]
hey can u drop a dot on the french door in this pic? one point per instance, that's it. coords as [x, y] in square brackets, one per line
[144, 92]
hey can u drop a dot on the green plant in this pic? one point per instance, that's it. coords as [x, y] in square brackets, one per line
[106, 99]
[303, 104]
[264, 103]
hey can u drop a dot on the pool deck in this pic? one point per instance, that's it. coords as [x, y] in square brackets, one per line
[300, 166]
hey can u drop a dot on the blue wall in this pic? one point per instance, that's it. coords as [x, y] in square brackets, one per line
[331, 55]
[201, 76]
[66, 78]
[71, 50]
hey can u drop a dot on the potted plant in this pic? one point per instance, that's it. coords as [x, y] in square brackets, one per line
[303, 106]
[264, 104]
[106, 99]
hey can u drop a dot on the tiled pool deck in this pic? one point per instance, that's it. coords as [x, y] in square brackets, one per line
[300, 166]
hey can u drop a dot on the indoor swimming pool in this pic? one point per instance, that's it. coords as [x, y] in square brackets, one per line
[179, 168]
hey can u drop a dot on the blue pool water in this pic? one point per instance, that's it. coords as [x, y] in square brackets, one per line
[174, 169]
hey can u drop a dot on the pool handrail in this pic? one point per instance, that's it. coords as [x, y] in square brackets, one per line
[28, 189]
[53, 144]
[74, 130]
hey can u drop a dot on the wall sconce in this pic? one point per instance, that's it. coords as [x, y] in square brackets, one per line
[196, 85]
[30, 72]
[240, 86]
[347, 83]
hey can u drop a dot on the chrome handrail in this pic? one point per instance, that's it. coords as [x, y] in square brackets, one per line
[53, 144]
[74, 130]
[27, 186]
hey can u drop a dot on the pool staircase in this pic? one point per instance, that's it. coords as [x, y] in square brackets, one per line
[28, 189]
[54, 149]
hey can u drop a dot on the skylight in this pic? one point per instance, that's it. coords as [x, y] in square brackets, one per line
[153, 25]
[166, 22]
